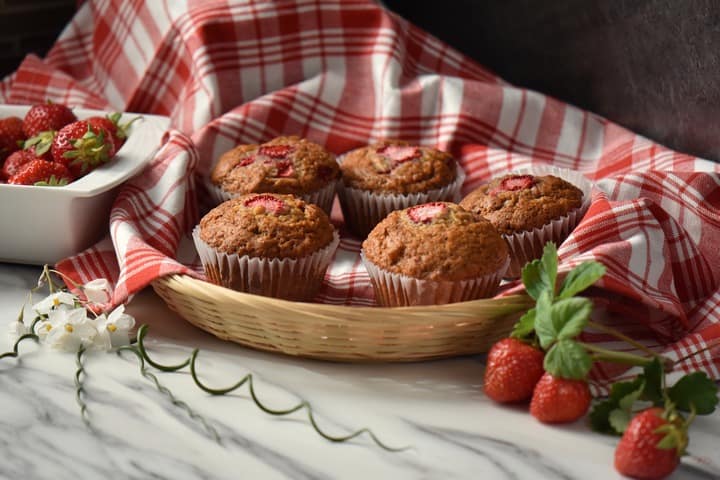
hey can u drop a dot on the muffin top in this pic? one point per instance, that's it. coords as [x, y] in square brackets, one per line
[516, 203]
[395, 166]
[266, 225]
[283, 165]
[436, 241]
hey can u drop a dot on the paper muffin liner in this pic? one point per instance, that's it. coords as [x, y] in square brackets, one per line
[322, 197]
[397, 290]
[296, 279]
[363, 209]
[528, 245]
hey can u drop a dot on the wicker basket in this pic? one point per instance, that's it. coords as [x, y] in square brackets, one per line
[341, 333]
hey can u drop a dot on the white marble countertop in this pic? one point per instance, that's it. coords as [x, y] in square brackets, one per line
[437, 407]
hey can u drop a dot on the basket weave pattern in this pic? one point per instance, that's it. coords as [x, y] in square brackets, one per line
[341, 333]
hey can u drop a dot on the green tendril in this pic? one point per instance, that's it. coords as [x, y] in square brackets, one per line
[80, 392]
[14, 352]
[191, 361]
[165, 391]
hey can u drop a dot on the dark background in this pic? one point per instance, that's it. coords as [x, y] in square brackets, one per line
[650, 65]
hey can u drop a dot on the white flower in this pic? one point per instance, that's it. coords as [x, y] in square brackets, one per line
[114, 329]
[98, 291]
[67, 329]
[58, 300]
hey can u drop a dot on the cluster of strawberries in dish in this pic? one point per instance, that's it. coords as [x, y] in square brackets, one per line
[51, 147]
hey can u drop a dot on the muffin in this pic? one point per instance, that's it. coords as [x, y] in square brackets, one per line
[530, 210]
[267, 244]
[283, 165]
[433, 254]
[392, 175]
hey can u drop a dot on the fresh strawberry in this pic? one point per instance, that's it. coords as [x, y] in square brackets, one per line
[118, 131]
[266, 203]
[559, 400]
[276, 151]
[45, 117]
[40, 172]
[15, 161]
[427, 212]
[640, 453]
[11, 135]
[513, 368]
[82, 147]
[513, 183]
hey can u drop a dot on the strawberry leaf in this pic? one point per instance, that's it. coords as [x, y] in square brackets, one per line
[619, 419]
[580, 278]
[525, 325]
[601, 411]
[531, 279]
[548, 272]
[568, 359]
[544, 328]
[570, 316]
[653, 375]
[695, 390]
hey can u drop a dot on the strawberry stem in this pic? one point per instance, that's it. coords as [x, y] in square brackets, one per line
[605, 355]
[620, 336]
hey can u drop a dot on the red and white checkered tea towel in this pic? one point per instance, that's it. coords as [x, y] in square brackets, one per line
[344, 73]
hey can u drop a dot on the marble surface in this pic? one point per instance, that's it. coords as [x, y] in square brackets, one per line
[436, 407]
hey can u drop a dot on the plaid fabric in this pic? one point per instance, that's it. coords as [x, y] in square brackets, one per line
[344, 73]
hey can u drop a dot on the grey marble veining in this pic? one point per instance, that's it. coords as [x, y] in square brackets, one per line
[436, 407]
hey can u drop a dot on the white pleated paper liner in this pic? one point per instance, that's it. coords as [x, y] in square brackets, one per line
[323, 197]
[528, 245]
[296, 279]
[363, 209]
[397, 290]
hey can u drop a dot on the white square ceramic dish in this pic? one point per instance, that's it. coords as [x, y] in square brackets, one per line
[41, 225]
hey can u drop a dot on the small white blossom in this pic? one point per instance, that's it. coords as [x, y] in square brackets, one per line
[58, 300]
[17, 329]
[114, 329]
[67, 329]
[98, 291]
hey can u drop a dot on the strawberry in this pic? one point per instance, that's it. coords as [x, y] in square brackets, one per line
[390, 156]
[11, 135]
[284, 168]
[513, 368]
[40, 172]
[45, 117]
[514, 182]
[275, 151]
[118, 131]
[15, 161]
[266, 203]
[651, 446]
[427, 212]
[559, 400]
[82, 147]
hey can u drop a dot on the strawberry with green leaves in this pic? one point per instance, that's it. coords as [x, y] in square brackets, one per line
[46, 117]
[81, 147]
[42, 173]
[111, 123]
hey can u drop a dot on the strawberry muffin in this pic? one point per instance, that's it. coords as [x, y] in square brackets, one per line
[267, 244]
[290, 164]
[433, 254]
[530, 210]
[392, 175]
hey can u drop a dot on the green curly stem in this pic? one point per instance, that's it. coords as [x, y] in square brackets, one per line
[80, 393]
[192, 360]
[165, 391]
[14, 353]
